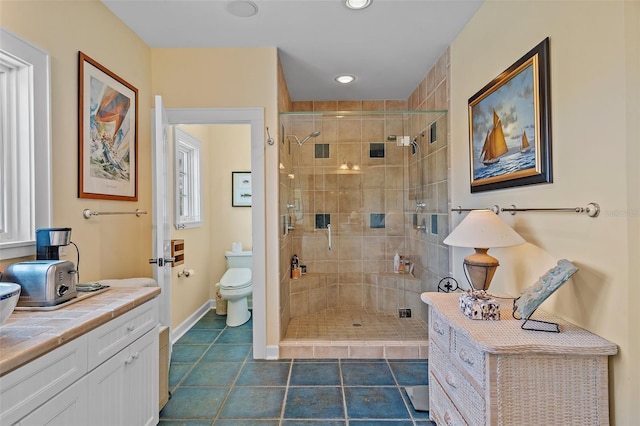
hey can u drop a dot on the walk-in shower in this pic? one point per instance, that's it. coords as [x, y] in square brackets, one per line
[366, 196]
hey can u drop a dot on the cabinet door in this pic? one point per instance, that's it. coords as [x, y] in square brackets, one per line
[142, 373]
[107, 386]
[40, 380]
[68, 408]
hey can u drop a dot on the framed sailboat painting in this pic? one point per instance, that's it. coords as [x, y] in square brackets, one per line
[510, 126]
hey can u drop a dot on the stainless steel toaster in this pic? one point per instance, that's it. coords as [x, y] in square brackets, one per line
[43, 282]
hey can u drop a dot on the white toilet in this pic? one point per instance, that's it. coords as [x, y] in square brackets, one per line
[236, 286]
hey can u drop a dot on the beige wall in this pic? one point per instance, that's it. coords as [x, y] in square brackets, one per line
[110, 246]
[226, 78]
[594, 61]
[221, 224]
[594, 106]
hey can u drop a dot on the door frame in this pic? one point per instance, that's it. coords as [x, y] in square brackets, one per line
[254, 117]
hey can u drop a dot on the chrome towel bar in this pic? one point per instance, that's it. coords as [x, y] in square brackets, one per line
[88, 213]
[592, 209]
[495, 208]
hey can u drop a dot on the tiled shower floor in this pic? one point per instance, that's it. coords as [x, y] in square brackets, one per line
[215, 381]
[349, 333]
[355, 324]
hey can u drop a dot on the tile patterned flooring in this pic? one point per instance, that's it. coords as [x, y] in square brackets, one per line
[215, 381]
[350, 324]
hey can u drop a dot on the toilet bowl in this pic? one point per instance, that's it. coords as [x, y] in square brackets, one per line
[236, 285]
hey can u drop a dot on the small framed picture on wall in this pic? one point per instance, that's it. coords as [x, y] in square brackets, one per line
[241, 189]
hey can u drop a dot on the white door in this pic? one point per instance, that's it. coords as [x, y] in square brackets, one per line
[161, 210]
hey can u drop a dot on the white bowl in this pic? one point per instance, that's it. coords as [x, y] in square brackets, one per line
[9, 295]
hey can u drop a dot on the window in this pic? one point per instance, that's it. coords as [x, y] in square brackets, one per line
[187, 180]
[25, 149]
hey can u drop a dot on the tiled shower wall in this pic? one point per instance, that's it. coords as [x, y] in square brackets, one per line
[432, 256]
[384, 192]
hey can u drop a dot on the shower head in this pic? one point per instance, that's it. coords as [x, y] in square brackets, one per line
[313, 134]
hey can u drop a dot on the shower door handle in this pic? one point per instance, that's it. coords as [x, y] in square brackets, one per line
[329, 232]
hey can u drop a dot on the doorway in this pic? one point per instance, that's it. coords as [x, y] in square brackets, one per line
[254, 117]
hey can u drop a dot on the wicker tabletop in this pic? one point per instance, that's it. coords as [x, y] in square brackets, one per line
[507, 336]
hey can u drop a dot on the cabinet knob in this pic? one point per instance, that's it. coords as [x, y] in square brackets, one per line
[448, 419]
[465, 357]
[437, 328]
[451, 381]
[131, 327]
[128, 361]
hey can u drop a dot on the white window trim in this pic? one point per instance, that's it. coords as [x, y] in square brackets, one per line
[188, 147]
[34, 188]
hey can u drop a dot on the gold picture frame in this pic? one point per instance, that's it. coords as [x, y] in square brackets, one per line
[510, 126]
[108, 134]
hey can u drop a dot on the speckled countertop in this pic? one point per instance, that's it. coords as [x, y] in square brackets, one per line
[27, 335]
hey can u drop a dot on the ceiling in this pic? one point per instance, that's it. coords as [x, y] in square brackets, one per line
[388, 46]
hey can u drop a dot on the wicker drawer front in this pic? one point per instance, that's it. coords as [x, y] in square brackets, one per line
[472, 404]
[469, 357]
[439, 329]
[575, 401]
[442, 410]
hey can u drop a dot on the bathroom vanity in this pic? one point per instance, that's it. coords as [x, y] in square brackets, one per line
[495, 373]
[93, 362]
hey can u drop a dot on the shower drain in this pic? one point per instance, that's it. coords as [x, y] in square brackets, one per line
[355, 324]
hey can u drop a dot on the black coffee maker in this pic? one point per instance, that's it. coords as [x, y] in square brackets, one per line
[49, 240]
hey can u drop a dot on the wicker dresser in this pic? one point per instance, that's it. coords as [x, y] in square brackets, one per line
[495, 373]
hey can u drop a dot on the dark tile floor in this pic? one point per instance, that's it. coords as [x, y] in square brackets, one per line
[215, 381]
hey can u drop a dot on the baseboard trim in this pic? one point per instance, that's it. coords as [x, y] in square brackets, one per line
[273, 352]
[180, 330]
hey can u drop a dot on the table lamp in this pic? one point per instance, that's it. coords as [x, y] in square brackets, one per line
[481, 230]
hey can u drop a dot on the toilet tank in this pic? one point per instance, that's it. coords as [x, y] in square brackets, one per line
[239, 259]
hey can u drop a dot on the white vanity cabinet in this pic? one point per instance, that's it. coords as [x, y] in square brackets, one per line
[69, 407]
[495, 373]
[40, 382]
[124, 389]
[107, 376]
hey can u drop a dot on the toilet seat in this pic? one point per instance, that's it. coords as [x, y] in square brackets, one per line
[236, 278]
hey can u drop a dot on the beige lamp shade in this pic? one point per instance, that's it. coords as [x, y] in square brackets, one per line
[482, 229]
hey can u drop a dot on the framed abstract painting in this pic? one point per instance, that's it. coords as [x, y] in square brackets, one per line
[108, 134]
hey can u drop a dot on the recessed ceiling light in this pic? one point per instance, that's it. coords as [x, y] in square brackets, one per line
[358, 4]
[242, 8]
[345, 79]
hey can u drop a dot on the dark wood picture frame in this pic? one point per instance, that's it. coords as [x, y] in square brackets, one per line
[241, 189]
[510, 126]
[107, 134]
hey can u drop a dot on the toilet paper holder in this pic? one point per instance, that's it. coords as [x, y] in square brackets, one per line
[186, 272]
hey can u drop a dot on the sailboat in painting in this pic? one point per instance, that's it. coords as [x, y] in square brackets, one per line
[524, 145]
[494, 144]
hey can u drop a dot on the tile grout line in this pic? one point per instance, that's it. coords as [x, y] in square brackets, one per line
[286, 393]
[344, 396]
[231, 386]
[404, 400]
[196, 362]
